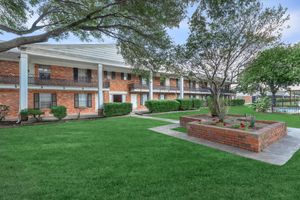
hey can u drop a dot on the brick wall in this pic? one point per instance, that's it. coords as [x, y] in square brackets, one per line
[9, 68]
[11, 99]
[252, 141]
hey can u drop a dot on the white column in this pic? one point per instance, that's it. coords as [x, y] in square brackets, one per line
[181, 86]
[23, 81]
[100, 86]
[151, 86]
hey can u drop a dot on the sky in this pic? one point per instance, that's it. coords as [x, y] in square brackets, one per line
[179, 35]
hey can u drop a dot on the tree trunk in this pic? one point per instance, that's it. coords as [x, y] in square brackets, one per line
[273, 100]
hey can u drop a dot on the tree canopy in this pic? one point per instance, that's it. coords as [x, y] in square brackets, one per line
[273, 69]
[127, 21]
[225, 36]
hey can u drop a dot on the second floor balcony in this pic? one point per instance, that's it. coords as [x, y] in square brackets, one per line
[53, 82]
[162, 89]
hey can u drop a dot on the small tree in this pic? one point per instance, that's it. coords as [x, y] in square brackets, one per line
[227, 35]
[274, 68]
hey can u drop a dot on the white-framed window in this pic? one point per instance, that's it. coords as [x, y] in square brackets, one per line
[82, 75]
[109, 75]
[162, 96]
[45, 100]
[44, 72]
[125, 76]
[83, 100]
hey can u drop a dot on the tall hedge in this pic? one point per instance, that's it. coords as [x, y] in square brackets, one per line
[185, 104]
[236, 102]
[197, 103]
[162, 105]
[116, 109]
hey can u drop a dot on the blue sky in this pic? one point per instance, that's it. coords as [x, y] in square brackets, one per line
[179, 35]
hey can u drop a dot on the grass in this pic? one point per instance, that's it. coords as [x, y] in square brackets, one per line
[119, 158]
[291, 120]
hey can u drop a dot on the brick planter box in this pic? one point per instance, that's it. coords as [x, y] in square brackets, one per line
[250, 140]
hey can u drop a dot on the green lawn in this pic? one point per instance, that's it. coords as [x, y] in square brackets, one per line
[291, 120]
[119, 158]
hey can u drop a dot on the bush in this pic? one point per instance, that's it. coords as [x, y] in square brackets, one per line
[155, 106]
[197, 103]
[262, 104]
[115, 109]
[24, 114]
[185, 104]
[3, 111]
[35, 113]
[59, 112]
[236, 102]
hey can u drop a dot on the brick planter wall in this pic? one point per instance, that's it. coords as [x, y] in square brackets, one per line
[253, 141]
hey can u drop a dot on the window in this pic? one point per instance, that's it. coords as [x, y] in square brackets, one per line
[177, 83]
[44, 100]
[83, 100]
[125, 76]
[143, 81]
[162, 96]
[144, 98]
[82, 75]
[117, 98]
[109, 75]
[162, 81]
[44, 72]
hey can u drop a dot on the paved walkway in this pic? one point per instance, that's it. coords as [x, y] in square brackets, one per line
[277, 154]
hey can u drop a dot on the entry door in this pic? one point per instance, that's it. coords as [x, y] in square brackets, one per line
[134, 101]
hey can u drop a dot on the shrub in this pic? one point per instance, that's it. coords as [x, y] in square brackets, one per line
[162, 105]
[35, 113]
[197, 103]
[262, 104]
[185, 104]
[24, 114]
[115, 109]
[59, 112]
[236, 102]
[3, 111]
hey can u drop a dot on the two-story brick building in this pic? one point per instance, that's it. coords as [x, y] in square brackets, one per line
[81, 77]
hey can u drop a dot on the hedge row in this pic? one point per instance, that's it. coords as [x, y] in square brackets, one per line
[115, 109]
[236, 102]
[173, 105]
[162, 105]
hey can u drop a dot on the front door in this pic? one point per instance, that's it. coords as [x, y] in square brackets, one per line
[134, 101]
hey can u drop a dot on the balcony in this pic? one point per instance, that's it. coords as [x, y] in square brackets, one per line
[52, 82]
[162, 89]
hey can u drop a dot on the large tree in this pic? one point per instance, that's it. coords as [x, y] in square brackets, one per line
[225, 35]
[274, 68]
[127, 21]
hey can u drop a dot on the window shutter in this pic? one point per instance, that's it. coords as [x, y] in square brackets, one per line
[53, 100]
[75, 73]
[128, 77]
[141, 79]
[76, 101]
[89, 100]
[89, 75]
[122, 76]
[105, 74]
[36, 99]
[113, 75]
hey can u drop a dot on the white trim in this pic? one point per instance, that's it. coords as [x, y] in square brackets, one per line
[118, 92]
